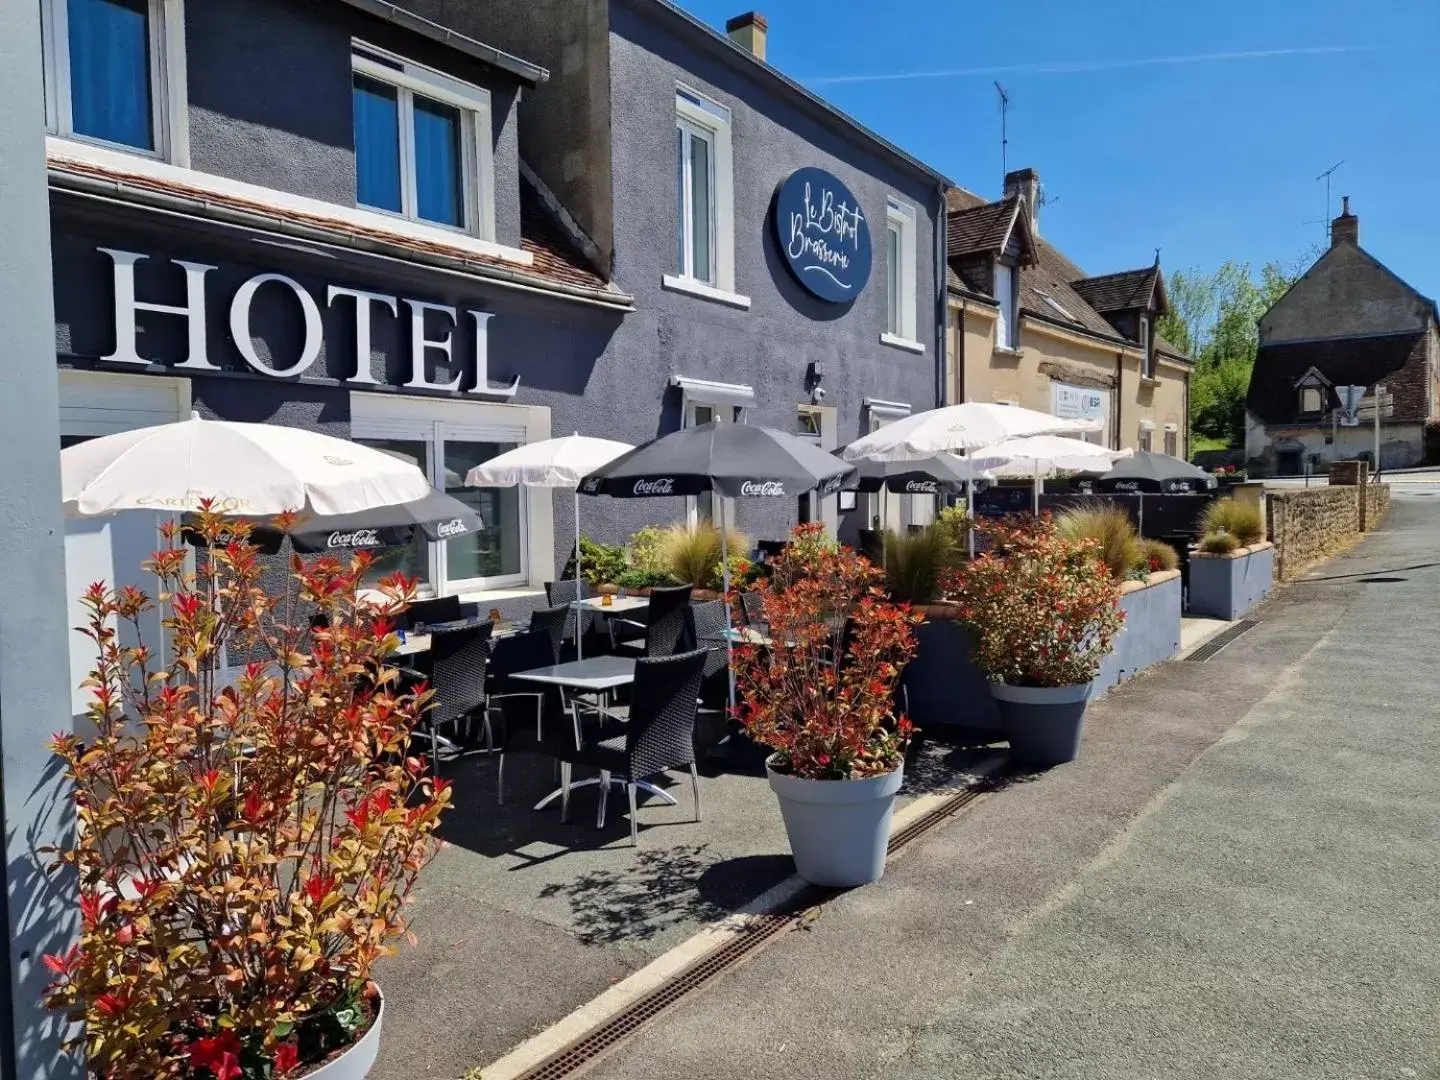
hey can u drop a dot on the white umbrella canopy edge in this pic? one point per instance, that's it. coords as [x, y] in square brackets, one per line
[246, 469]
[966, 427]
[1038, 455]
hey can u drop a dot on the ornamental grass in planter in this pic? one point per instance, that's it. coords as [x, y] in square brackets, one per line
[1242, 520]
[1043, 612]
[242, 851]
[821, 695]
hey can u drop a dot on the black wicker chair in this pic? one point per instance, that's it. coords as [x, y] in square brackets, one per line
[514, 706]
[659, 734]
[553, 622]
[752, 607]
[667, 623]
[563, 594]
[428, 612]
[709, 623]
[458, 662]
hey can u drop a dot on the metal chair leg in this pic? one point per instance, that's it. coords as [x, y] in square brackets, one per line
[434, 750]
[564, 791]
[500, 781]
[695, 786]
[634, 817]
[604, 795]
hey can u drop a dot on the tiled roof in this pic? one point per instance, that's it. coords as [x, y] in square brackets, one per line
[983, 228]
[555, 260]
[1344, 361]
[1051, 275]
[555, 252]
[958, 198]
[1119, 292]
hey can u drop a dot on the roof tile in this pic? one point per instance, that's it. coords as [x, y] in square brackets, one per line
[1121, 291]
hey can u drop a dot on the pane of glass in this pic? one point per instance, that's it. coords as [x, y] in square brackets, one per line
[413, 560]
[892, 279]
[438, 187]
[680, 219]
[494, 551]
[377, 144]
[110, 71]
[700, 209]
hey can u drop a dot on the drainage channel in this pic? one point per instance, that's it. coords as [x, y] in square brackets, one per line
[1220, 640]
[573, 1060]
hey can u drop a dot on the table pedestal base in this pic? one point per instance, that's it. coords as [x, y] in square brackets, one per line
[594, 781]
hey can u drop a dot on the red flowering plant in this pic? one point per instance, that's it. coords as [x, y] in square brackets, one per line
[1042, 610]
[821, 693]
[242, 849]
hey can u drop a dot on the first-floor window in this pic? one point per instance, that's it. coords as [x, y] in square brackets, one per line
[1145, 439]
[1172, 442]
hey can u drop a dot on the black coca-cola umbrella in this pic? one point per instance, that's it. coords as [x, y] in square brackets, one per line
[930, 476]
[731, 460]
[438, 515]
[1151, 473]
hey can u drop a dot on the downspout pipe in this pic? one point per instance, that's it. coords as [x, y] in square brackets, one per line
[942, 319]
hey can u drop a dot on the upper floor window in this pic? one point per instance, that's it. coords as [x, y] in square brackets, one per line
[422, 144]
[1147, 350]
[1172, 440]
[704, 192]
[1311, 400]
[106, 77]
[1146, 438]
[899, 273]
[1005, 329]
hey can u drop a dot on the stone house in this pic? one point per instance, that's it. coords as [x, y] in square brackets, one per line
[1029, 327]
[1348, 321]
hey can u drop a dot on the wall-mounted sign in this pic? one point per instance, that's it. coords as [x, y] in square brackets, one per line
[823, 235]
[1082, 403]
[428, 328]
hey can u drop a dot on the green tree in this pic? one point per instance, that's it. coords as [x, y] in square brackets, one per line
[1214, 316]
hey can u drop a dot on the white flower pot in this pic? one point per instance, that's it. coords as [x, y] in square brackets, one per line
[357, 1061]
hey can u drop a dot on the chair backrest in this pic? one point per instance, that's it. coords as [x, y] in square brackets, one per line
[564, 593]
[425, 612]
[552, 621]
[525, 651]
[708, 623]
[752, 606]
[459, 659]
[663, 701]
[667, 621]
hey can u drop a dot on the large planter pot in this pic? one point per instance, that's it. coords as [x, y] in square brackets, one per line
[1043, 722]
[1227, 586]
[356, 1062]
[839, 829]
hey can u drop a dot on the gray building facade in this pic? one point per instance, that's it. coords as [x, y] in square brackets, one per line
[260, 241]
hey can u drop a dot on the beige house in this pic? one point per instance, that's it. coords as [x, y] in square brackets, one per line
[1029, 327]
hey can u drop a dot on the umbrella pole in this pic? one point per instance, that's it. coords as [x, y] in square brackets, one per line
[970, 513]
[725, 592]
[1142, 515]
[884, 526]
[579, 587]
[1035, 489]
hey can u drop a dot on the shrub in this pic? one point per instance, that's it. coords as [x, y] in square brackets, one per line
[600, 563]
[1109, 526]
[647, 549]
[955, 519]
[635, 578]
[744, 572]
[1159, 556]
[1219, 543]
[915, 562]
[1241, 519]
[1040, 607]
[243, 852]
[693, 555]
[808, 543]
[827, 720]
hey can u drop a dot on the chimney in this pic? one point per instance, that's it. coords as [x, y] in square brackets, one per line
[1026, 183]
[1346, 226]
[748, 31]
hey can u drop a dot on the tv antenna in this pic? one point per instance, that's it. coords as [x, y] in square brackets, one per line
[1326, 175]
[1004, 128]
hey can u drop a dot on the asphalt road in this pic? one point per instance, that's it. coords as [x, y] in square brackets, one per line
[1239, 879]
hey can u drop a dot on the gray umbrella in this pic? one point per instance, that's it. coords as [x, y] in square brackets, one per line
[1147, 471]
[931, 476]
[438, 515]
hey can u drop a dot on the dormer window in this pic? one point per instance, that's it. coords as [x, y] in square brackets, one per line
[1147, 350]
[1311, 400]
[1006, 333]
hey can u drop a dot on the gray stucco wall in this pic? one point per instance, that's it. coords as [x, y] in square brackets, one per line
[1151, 633]
[1345, 294]
[283, 119]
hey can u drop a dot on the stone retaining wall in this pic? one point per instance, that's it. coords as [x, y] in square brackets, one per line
[1309, 524]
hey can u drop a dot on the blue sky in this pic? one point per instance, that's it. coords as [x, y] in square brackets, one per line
[1198, 128]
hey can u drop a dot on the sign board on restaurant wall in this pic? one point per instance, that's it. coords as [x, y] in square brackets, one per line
[1082, 403]
[823, 235]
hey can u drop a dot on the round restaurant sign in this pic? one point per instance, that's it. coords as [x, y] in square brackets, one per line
[823, 235]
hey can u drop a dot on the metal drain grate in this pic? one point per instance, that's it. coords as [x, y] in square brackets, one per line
[1220, 640]
[589, 1049]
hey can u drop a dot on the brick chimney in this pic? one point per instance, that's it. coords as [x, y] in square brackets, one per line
[1026, 183]
[748, 31]
[1346, 226]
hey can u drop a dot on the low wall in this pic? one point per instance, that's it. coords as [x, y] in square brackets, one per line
[1309, 524]
[1375, 501]
[1151, 632]
[1227, 586]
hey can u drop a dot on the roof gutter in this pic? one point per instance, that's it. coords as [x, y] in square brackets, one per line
[522, 69]
[119, 193]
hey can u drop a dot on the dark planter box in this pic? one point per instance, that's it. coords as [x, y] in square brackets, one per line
[1151, 632]
[1227, 586]
[943, 686]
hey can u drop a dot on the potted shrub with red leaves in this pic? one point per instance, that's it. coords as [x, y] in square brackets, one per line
[242, 850]
[1043, 612]
[821, 695]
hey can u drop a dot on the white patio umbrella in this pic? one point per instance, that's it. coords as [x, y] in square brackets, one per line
[551, 463]
[971, 426]
[248, 469]
[1038, 455]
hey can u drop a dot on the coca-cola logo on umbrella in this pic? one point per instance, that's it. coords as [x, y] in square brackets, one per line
[356, 539]
[662, 485]
[1127, 485]
[921, 487]
[453, 527]
[762, 487]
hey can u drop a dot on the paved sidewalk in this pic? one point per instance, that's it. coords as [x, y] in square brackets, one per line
[1238, 879]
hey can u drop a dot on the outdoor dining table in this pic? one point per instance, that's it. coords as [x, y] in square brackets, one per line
[619, 605]
[416, 643]
[594, 675]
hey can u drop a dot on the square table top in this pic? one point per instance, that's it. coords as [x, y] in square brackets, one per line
[593, 673]
[617, 605]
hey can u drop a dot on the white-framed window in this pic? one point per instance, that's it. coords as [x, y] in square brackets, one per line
[446, 440]
[1172, 440]
[704, 193]
[422, 144]
[702, 507]
[1005, 330]
[1311, 400]
[900, 287]
[115, 74]
[1146, 437]
[1147, 351]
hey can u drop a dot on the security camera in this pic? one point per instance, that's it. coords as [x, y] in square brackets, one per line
[817, 395]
